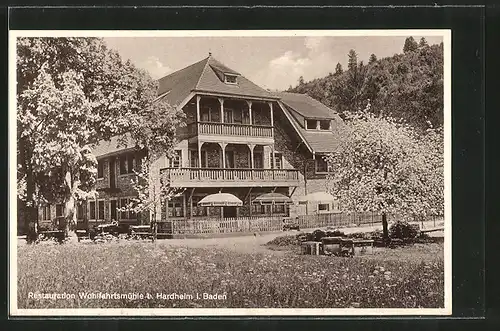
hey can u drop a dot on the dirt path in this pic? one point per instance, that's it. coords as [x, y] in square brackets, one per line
[254, 243]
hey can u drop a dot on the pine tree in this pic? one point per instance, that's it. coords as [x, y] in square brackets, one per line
[353, 60]
[301, 81]
[410, 45]
[338, 69]
[422, 43]
[373, 58]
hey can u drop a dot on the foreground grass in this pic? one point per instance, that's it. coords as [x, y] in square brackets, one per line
[412, 277]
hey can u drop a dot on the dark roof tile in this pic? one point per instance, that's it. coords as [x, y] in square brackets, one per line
[306, 106]
[320, 142]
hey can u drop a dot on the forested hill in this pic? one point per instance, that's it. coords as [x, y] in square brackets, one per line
[407, 85]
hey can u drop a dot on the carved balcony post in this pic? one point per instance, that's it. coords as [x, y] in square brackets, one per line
[221, 101]
[250, 111]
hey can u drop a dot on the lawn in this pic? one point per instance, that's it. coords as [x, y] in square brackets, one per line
[408, 277]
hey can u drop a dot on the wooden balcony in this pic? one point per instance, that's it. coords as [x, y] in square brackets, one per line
[230, 130]
[214, 177]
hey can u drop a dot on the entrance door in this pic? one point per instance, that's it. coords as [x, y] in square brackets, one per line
[113, 206]
[258, 162]
[112, 179]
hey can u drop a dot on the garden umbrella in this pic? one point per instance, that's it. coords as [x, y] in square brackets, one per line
[220, 200]
[273, 199]
[317, 197]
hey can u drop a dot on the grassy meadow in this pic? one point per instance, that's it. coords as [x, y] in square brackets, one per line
[408, 277]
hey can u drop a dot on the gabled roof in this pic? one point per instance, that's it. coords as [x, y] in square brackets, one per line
[320, 142]
[207, 75]
[306, 106]
[116, 144]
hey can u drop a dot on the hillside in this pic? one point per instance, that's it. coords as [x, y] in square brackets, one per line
[407, 85]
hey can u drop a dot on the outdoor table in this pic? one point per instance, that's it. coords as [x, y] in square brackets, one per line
[332, 245]
[347, 245]
[363, 247]
[311, 247]
[140, 229]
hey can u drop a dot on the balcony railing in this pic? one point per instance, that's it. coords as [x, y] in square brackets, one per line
[230, 129]
[217, 176]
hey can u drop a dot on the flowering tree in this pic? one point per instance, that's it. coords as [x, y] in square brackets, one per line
[153, 190]
[72, 93]
[383, 165]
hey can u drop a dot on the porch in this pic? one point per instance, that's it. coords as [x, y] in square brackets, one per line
[220, 164]
[221, 177]
[214, 117]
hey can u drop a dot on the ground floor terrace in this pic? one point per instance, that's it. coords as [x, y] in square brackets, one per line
[186, 205]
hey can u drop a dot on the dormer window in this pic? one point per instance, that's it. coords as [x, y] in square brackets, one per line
[321, 125]
[324, 125]
[229, 79]
[311, 124]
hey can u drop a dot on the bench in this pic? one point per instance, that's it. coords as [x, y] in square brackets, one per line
[362, 247]
[311, 248]
[143, 231]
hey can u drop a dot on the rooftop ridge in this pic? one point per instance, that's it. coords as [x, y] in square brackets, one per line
[178, 71]
[207, 59]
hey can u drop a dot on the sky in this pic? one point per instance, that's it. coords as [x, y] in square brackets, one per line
[273, 63]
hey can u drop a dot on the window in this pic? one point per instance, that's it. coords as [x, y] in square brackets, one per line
[113, 206]
[197, 210]
[321, 165]
[79, 211]
[245, 117]
[228, 116]
[258, 209]
[130, 163]
[278, 160]
[206, 114]
[230, 159]
[46, 212]
[100, 212]
[123, 204]
[193, 159]
[123, 164]
[323, 207]
[175, 207]
[100, 169]
[279, 209]
[176, 161]
[92, 210]
[257, 160]
[230, 79]
[324, 125]
[126, 164]
[311, 124]
[204, 160]
[59, 210]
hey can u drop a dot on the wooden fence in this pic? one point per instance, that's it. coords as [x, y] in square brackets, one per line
[221, 225]
[271, 223]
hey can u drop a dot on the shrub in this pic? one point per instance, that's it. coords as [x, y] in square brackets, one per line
[403, 230]
[318, 234]
[283, 241]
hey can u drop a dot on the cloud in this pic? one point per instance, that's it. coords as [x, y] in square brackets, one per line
[155, 67]
[314, 60]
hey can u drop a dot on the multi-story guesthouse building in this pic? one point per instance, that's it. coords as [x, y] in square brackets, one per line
[239, 139]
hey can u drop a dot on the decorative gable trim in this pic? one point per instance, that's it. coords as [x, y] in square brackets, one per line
[292, 122]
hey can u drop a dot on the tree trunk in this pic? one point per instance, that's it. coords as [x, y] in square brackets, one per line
[69, 206]
[31, 216]
[385, 229]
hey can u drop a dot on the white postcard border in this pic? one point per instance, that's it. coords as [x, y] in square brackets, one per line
[180, 312]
